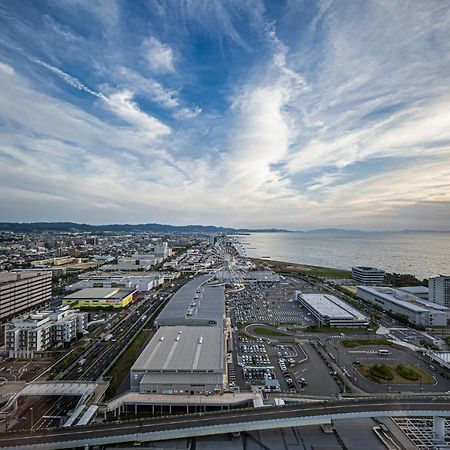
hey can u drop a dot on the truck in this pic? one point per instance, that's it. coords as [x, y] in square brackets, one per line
[108, 337]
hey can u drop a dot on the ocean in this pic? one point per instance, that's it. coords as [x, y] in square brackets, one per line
[422, 254]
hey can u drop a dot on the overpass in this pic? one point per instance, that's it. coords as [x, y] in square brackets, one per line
[185, 426]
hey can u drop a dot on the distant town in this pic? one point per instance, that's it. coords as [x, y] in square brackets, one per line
[116, 325]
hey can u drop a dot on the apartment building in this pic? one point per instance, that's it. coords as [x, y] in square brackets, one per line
[30, 333]
[21, 291]
[439, 290]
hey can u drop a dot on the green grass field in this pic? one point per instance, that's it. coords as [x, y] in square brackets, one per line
[122, 367]
[395, 374]
[261, 331]
[302, 269]
[350, 343]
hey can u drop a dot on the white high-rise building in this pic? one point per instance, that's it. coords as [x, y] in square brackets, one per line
[439, 290]
[162, 250]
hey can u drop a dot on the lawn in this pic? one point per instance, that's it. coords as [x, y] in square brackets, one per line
[350, 343]
[302, 269]
[395, 374]
[122, 367]
[266, 332]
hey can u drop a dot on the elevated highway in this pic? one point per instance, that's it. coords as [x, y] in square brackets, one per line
[173, 427]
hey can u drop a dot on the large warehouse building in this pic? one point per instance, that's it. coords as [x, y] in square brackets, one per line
[417, 310]
[331, 311]
[181, 360]
[195, 304]
[100, 298]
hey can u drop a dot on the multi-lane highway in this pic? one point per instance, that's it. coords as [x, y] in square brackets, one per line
[234, 420]
[102, 353]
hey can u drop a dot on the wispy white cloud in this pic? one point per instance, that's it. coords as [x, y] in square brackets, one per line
[160, 57]
[313, 128]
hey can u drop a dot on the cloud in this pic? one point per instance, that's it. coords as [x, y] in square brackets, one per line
[160, 57]
[150, 88]
[121, 103]
[6, 68]
[240, 113]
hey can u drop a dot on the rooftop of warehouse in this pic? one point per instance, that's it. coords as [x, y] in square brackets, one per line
[183, 349]
[203, 302]
[331, 306]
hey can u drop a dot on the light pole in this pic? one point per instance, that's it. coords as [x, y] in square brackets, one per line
[32, 418]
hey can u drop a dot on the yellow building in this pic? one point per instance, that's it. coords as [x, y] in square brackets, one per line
[100, 298]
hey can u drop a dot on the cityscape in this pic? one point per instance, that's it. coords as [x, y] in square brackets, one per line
[114, 333]
[225, 224]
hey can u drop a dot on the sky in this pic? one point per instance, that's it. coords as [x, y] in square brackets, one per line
[292, 114]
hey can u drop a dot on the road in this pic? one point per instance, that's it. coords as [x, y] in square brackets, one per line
[348, 408]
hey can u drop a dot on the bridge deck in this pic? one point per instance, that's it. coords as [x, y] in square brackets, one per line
[223, 422]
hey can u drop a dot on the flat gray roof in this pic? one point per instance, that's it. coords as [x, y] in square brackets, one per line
[194, 301]
[183, 349]
[333, 307]
[394, 296]
[415, 289]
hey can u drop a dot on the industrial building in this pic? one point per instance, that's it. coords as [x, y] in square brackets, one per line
[195, 303]
[418, 311]
[331, 311]
[35, 332]
[142, 283]
[368, 275]
[98, 297]
[21, 291]
[418, 291]
[439, 290]
[181, 360]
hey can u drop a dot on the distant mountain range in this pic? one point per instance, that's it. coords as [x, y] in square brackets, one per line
[165, 228]
[145, 227]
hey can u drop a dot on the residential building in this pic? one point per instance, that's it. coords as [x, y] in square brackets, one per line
[367, 275]
[162, 250]
[439, 290]
[21, 291]
[34, 332]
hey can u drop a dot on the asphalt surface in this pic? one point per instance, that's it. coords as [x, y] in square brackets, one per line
[230, 417]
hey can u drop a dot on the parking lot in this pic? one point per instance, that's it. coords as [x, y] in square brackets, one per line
[268, 303]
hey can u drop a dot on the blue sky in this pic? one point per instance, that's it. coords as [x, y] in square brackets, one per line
[297, 114]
